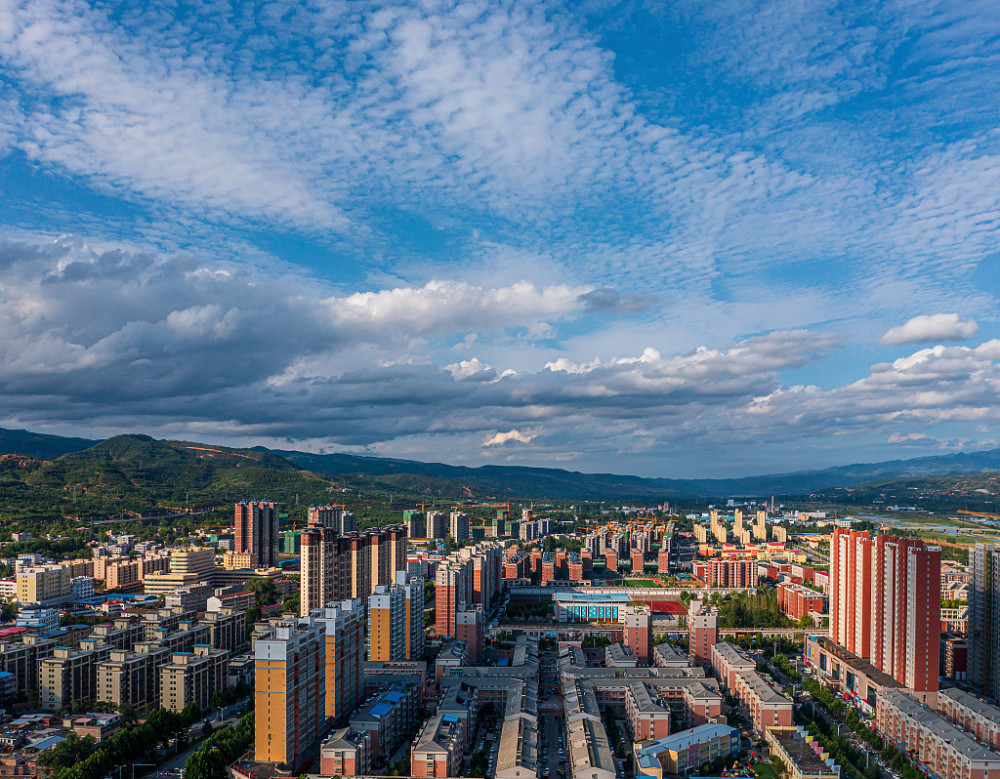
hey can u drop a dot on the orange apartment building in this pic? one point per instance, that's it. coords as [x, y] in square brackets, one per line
[289, 693]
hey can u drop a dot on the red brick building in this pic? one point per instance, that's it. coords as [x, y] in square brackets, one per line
[797, 601]
[639, 635]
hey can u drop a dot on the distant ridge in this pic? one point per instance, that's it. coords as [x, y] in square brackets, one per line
[40, 445]
[501, 480]
[525, 481]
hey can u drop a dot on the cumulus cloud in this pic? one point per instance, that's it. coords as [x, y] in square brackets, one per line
[511, 435]
[931, 327]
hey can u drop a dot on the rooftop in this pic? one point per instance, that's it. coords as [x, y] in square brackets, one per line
[986, 710]
[796, 743]
[591, 597]
[683, 739]
[937, 725]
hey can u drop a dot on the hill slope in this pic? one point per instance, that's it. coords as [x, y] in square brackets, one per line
[40, 445]
[137, 474]
[167, 470]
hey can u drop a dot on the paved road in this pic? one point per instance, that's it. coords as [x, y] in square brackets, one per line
[172, 768]
[551, 737]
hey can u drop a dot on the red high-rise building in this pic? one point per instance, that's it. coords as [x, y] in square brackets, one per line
[885, 604]
[257, 532]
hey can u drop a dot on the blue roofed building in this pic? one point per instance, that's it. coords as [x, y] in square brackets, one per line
[388, 717]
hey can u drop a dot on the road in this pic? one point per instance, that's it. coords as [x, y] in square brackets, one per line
[552, 740]
[172, 768]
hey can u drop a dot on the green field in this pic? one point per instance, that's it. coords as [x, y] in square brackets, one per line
[641, 583]
[765, 771]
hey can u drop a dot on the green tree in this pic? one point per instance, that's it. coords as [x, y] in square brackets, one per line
[264, 590]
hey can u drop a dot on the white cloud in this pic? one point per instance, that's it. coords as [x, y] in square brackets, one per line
[511, 435]
[931, 327]
[900, 438]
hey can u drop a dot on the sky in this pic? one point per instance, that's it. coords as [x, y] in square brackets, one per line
[678, 239]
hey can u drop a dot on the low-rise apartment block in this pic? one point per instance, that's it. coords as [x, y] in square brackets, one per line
[944, 749]
[346, 752]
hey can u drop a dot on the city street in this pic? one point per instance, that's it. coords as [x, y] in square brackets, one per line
[173, 767]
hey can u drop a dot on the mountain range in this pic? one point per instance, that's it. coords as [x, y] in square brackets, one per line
[158, 460]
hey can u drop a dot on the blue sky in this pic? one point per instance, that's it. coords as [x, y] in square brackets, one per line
[677, 239]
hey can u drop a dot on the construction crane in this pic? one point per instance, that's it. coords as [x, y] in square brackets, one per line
[978, 514]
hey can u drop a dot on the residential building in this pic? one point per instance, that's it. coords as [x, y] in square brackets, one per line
[798, 601]
[703, 631]
[459, 526]
[334, 517]
[416, 524]
[198, 560]
[685, 752]
[983, 623]
[192, 677]
[132, 677]
[81, 587]
[932, 740]
[389, 718]
[290, 696]
[885, 604]
[794, 748]
[971, 714]
[638, 634]
[227, 628]
[191, 598]
[346, 752]
[69, 675]
[343, 627]
[387, 624]
[45, 585]
[470, 627]
[257, 532]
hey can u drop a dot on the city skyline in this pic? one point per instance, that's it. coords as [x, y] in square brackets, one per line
[671, 241]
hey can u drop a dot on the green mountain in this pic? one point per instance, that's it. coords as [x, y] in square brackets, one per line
[134, 471]
[134, 474]
[44, 447]
[970, 491]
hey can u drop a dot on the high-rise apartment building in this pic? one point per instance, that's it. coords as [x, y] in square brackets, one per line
[257, 532]
[413, 591]
[325, 568]
[466, 578]
[289, 690]
[885, 604]
[334, 517]
[703, 631]
[984, 619]
[395, 620]
[437, 524]
[337, 566]
[387, 624]
[416, 525]
[638, 634]
[343, 627]
[459, 526]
